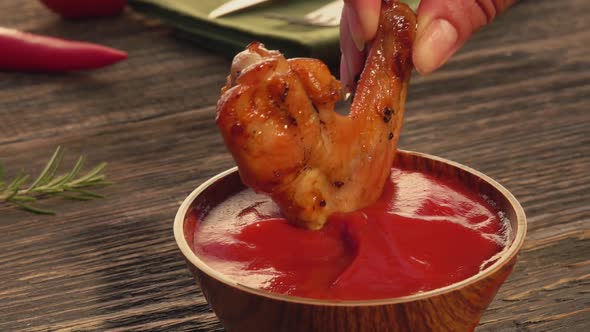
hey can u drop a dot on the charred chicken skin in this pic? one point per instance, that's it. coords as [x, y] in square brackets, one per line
[277, 119]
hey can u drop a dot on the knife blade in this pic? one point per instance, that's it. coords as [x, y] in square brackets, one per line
[233, 6]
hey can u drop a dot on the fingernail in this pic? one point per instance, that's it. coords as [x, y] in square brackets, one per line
[367, 16]
[355, 28]
[435, 44]
[358, 39]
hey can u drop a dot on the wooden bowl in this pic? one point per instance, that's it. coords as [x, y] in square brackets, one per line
[457, 307]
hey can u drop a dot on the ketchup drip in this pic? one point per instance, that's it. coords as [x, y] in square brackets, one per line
[423, 233]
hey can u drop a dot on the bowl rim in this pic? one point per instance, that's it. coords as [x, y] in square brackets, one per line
[506, 257]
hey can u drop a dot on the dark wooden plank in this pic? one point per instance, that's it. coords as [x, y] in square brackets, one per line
[513, 104]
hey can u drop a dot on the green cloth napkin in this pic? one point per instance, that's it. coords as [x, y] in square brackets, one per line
[230, 34]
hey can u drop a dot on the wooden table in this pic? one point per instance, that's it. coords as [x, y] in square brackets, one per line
[514, 103]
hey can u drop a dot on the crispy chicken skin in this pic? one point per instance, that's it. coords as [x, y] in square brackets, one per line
[277, 119]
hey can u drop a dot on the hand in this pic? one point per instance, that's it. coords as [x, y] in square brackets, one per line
[443, 27]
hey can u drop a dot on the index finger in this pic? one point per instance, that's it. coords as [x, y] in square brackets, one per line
[367, 17]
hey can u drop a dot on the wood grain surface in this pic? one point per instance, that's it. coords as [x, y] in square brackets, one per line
[513, 103]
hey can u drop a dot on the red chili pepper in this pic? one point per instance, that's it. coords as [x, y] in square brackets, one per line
[29, 52]
[85, 8]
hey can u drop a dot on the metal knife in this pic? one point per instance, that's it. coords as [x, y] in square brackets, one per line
[233, 6]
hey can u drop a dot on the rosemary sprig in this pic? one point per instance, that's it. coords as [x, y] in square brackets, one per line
[69, 185]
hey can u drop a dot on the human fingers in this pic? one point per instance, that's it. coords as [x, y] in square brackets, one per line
[363, 19]
[444, 26]
[353, 59]
[358, 25]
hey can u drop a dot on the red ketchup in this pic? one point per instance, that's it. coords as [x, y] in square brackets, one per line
[423, 233]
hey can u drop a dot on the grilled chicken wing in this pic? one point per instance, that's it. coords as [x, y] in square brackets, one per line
[276, 117]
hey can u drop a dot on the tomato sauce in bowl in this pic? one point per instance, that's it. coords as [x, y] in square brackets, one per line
[423, 233]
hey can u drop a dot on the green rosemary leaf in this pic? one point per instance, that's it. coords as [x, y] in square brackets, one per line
[19, 198]
[53, 170]
[33, 209]
[52, 183]
[91, 174]
[76, 170]
[10, 187]
[9, 194]
[51, 166]
[88, 193]
[61, 180]
[98, 183]
[48, 184]
[20, 179]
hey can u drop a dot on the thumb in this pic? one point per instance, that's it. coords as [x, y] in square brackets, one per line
[444, 26]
